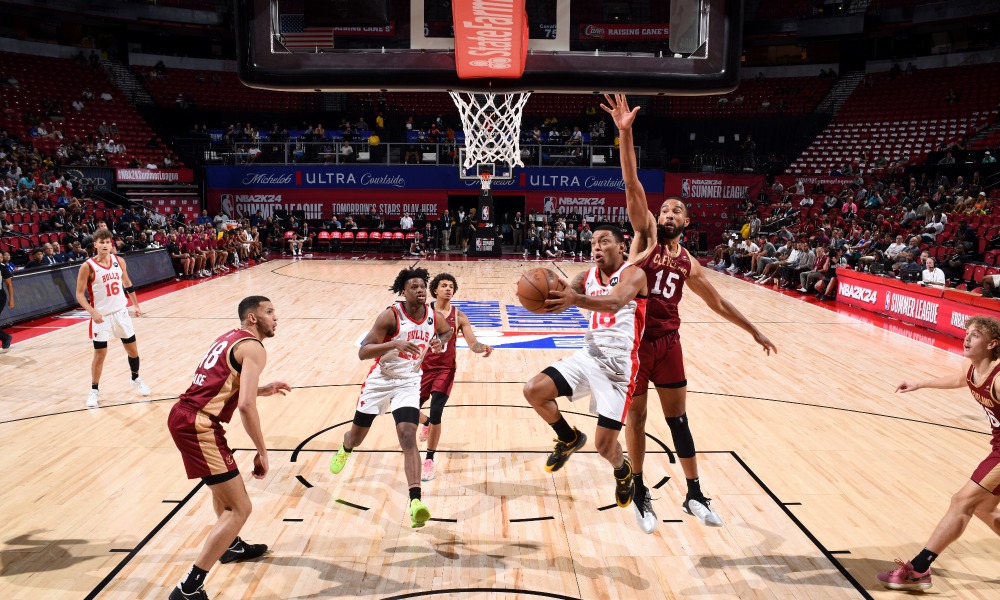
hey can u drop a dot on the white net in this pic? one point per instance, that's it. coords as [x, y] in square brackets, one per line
[492, 124]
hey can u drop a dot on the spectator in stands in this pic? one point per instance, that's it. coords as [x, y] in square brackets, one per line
[988, 158]
[37, 259]
[204, 219]
[947, 160]
[742, 255]
[58, 221]
[931, 275]
[106, 96]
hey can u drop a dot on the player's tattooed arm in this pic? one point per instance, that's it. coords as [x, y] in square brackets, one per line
[577, 284]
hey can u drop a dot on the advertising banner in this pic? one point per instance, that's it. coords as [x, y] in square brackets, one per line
[101, 178]
[712, 199]
[155, 176]
[485, 242]
[617, 31]
[910, 303]
[324, 204]
[603, 206]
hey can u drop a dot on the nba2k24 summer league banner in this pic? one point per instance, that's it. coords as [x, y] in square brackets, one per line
[712, 199]
[325, 204]
[909, 303]
[154, 175]
[606, 207]
[485, 242]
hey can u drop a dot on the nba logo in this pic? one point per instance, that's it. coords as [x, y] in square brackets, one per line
[685, 188]
[479, 245]
[486, 213]
[888, 300]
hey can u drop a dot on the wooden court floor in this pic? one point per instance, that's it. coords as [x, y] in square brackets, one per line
[821, 474]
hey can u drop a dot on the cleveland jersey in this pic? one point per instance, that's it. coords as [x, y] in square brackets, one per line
[619, 333]
[215, 387]
[107, 291]
[665, 277]
[983, 394]
[446, 358]
[400, 365]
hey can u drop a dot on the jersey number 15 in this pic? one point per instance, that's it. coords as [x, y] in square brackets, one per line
[668, 290]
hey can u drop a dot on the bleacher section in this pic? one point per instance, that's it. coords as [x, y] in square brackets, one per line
[786, 95]
[228, 94]
[58, 78]
[904, 118]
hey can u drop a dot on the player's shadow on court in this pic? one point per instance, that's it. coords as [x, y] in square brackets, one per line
[348, 582]
[32, 555]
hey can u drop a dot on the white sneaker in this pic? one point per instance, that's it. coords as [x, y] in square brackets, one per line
[644, 514]
[93, 399]
[711, 263]
[702, 510]
[140, 386]
[428, 471]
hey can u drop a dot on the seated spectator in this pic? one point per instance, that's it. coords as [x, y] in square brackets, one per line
[106, 96]
[37, 259]
[931, 275]
[989, 158]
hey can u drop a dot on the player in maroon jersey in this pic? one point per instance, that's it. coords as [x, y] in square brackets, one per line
[668, 266]
[226, 379]
[439, 367]
[980, 495]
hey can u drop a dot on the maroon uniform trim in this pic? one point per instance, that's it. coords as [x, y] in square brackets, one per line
[445, 359]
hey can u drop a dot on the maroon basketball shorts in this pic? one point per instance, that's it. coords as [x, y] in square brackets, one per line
[661, 361]
[202, 443]
[987, 474]
[436, 380]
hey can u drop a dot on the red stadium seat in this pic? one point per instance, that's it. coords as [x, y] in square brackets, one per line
[323, 239]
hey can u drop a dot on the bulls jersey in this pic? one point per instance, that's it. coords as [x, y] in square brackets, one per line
[107, 291]
[665, 277]
[983, 394]
[215, 387]
[400, 365]
[618, 333]
[445, 359]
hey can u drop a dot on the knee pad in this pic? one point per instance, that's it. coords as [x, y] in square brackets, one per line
[681, 433]
[129, 340]
[438, 400]
[100, 345]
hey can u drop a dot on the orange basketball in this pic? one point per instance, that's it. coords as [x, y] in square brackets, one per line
[534, 286]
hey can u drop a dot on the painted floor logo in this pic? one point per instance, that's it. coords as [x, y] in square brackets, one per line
[563, 331]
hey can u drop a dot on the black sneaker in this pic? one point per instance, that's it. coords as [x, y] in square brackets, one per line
[243, 551]
[625, 488]
[177, 594]
[560, 454]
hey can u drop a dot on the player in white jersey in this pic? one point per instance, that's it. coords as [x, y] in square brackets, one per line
[402, 335]
[105, 279]
[605, 368]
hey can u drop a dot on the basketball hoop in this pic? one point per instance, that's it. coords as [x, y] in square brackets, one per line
[484, 177]
[492, 125]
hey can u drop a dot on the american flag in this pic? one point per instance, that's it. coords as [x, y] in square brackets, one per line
[297, 36]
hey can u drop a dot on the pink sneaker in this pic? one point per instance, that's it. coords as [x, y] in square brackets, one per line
[422, 436]
[427, 473]
[905, 578]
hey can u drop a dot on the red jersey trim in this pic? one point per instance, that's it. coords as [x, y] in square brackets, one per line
[409, 318]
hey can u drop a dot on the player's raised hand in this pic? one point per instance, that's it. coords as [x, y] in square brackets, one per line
[275, 387]
[907, 386]
[617, 107]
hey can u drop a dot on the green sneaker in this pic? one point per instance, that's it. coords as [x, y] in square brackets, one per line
[419, 513]
[339, 460]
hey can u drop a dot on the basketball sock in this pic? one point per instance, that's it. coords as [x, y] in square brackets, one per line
[430, 454]
[623, 471]
[194, 579]
[563, 431]
[637, 478]
[694, 488]
[923, 561]
[415, 492]
[346, 449]
[93, 386]
[133, 363]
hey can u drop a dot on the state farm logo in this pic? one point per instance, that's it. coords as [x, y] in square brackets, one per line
[859, 293]
[493, 63]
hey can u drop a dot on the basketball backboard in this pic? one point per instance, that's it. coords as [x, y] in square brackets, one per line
[578, 46]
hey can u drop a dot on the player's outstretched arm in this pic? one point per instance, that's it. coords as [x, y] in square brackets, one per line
[252, 358]
[699, 284]
[129, 290]
[470, 337]
[948, 382]
[632, 283]
[385, 326]
[643, 221]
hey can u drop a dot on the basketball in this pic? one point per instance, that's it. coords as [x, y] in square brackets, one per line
[534, 286]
